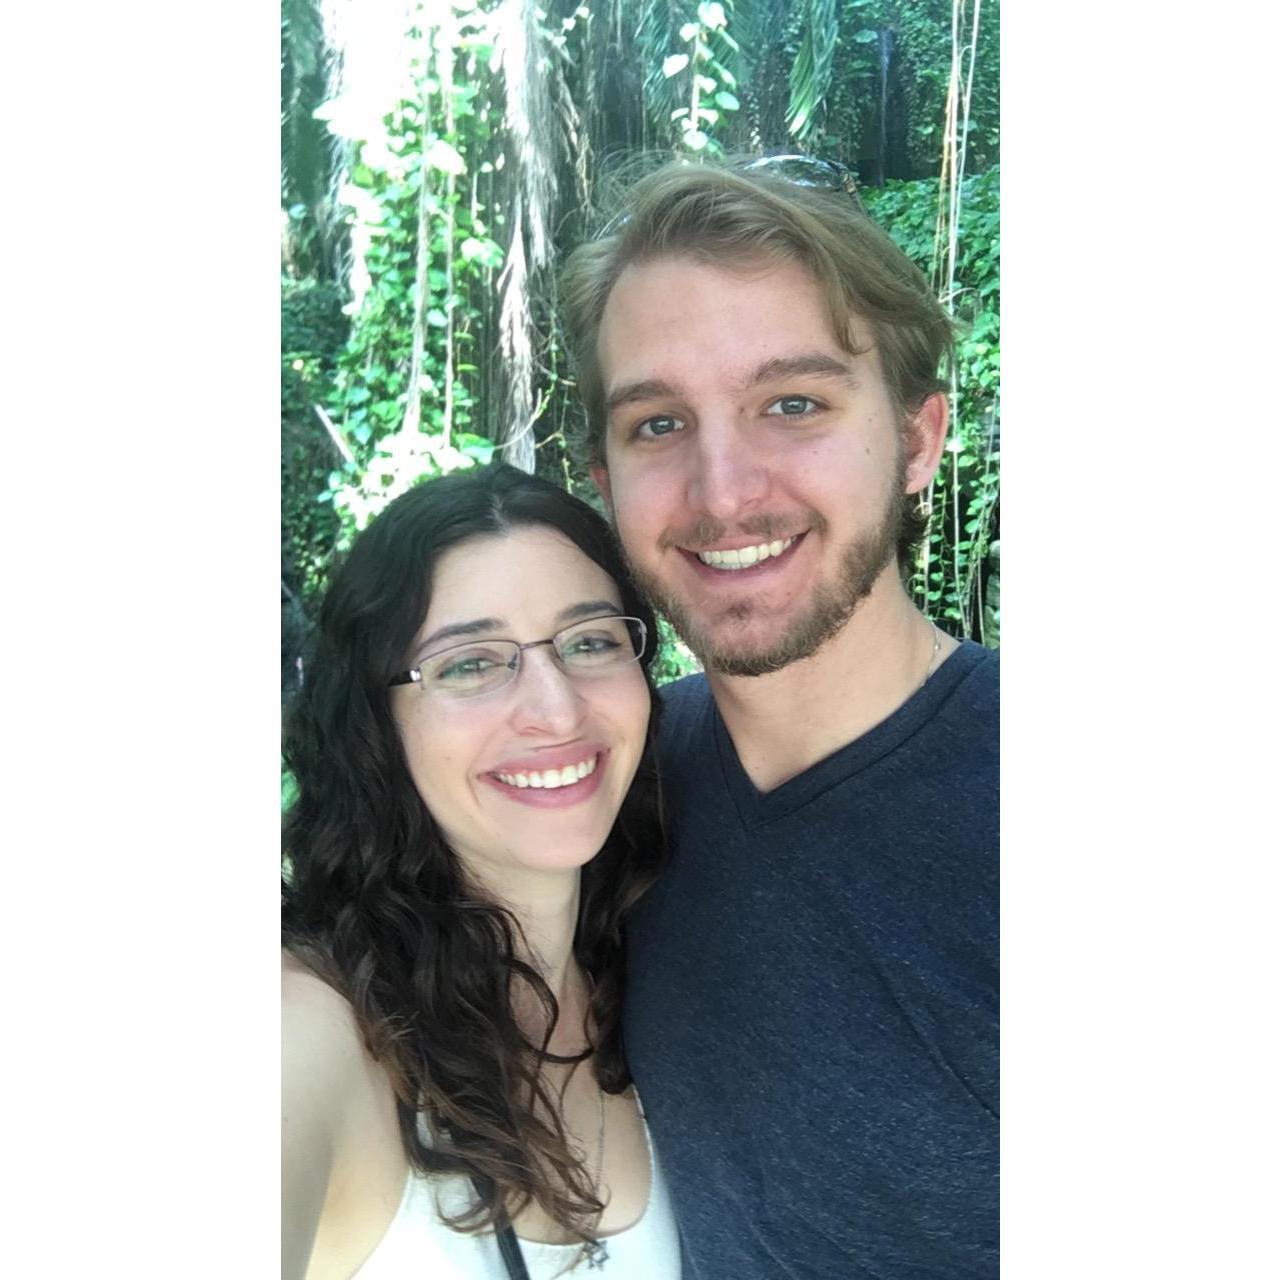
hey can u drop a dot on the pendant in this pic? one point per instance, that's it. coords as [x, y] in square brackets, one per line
[596, 1253]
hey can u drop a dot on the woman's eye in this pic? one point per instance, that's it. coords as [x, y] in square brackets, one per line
[595, 643]
[471, 666]
[663, 424]
[793, 406]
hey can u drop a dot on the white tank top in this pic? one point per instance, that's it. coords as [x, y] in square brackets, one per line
[418, 1246]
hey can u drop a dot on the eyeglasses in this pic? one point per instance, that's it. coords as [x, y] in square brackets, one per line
[598, 646]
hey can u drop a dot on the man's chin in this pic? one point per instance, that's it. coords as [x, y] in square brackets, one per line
[742, 658]
[748, 646]
[741, 643]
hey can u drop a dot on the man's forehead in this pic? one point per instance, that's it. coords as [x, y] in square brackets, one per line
[652, 317]
[749, 265]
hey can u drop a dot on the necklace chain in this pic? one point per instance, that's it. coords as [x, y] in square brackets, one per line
[596, 1251]
[933, 657]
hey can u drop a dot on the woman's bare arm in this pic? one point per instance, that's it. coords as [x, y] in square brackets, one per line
[320, 1061]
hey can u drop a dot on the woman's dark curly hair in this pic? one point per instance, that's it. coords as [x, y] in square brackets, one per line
[379, 906]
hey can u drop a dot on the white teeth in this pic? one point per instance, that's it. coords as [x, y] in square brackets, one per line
[551, 779]
[744, 557]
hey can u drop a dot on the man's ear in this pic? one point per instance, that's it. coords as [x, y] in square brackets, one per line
[600, 475]
[925, 435]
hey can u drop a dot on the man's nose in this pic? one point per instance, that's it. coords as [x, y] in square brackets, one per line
[729, 476]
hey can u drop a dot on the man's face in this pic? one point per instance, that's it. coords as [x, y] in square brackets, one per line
[755, 469]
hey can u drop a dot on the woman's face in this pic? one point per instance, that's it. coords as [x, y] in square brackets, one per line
[466, 754]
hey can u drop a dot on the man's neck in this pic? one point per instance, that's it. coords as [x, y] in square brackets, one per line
[784, 722]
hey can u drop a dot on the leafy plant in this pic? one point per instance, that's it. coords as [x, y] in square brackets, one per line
[957, 575]
[674, 660]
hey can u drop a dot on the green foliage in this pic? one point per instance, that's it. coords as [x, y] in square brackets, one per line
[425, 200]
[313, 331]
[692, 87]
[864, 82]
[957, 577]
[398, 401]
[811, 70]
[923, 37]
[288, 788]
[674, 659]
[410, 207]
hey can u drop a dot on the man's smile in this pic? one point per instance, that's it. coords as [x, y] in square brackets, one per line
[742, 563]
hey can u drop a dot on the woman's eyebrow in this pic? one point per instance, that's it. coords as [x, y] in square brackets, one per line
[588, 609]
[479, 626]
[460, 629]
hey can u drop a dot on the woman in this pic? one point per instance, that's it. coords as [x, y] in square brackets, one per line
[476, 810]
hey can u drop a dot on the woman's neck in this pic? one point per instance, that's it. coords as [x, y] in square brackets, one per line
[547, 910]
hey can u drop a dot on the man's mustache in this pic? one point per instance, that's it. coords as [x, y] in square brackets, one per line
[704, 533]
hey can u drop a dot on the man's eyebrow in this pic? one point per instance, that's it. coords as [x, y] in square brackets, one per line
[479, 626]
[632, 392]
[809, 364]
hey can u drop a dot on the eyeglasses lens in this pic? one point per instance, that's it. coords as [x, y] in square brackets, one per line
[470, 669]
[602, 642]
[583, 649]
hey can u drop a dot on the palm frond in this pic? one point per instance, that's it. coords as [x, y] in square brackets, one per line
[811, 71]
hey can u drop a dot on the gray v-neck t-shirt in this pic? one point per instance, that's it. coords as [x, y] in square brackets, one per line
[812, 1002]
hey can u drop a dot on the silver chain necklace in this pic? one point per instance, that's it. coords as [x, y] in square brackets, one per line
[596, 1252]
[933, 657]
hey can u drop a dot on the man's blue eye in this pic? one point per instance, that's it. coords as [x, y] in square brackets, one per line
[792, 406]
[664, 424]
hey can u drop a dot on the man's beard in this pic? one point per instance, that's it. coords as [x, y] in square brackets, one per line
[833, 604]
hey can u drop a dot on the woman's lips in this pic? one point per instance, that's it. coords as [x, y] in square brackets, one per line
[529, 785]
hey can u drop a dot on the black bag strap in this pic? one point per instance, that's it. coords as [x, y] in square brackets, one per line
[512, 1258]
[508, 1244]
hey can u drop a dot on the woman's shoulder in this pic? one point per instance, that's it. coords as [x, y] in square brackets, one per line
[309, 1001]
[326, 1069]
[314, 1016]
[342, 1161]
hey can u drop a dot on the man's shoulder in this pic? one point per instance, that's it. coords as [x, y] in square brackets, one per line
[684, 702]
[686, 693]
[978, 689]
[960, 717]
[685, 706]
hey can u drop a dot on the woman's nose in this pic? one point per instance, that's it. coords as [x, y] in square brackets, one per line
[546, 697]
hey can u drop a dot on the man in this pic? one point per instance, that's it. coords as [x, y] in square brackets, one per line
[812, 1004]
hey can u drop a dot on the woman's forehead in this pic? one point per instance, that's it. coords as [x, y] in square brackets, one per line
[527, 575]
